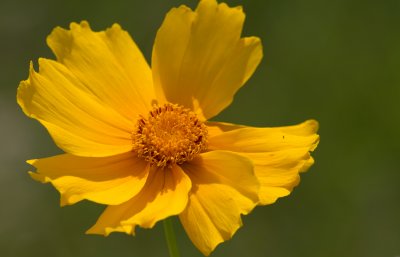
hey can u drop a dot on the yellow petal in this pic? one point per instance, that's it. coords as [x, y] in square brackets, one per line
[199, 59]
[224, 187]
[108, 64]
[164, 194]
[278, 154]
[78, 121]
[106, 180]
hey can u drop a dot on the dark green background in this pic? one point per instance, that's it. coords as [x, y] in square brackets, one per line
[335, 61]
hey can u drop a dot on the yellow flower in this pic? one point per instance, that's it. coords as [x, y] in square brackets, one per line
[137, 138]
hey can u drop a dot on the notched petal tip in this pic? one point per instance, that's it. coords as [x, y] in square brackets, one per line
[39, 177]
[95, 230]
[35, 175]
[114, 30]
[64, 201]
[313, 124]
[116, 26]
[32, 161]
[182, 8]
[313, 127]
[60, 40]
[82, 24]
[26, 91]
[307, 164]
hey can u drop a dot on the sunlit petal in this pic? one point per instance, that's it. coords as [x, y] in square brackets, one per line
[107, 180]
[278, 154]
[224, 187]
[164, 194]
[199, 59]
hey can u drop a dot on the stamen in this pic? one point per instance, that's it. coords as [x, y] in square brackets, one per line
[171, 134]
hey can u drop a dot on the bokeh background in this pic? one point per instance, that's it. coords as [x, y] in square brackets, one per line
[335, 61]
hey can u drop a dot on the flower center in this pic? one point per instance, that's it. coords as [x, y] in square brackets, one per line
[169, 135]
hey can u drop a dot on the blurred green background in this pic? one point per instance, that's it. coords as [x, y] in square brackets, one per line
[335, 61]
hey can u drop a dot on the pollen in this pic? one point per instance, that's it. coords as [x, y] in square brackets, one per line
[171, 134]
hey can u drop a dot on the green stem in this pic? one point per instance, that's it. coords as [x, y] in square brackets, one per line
[170, 237]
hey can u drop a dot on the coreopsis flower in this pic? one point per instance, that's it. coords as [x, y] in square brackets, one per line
[136, 138]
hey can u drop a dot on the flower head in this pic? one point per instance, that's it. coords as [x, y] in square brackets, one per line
[137, 138]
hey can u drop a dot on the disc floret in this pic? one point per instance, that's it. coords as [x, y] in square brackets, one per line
[171, 134]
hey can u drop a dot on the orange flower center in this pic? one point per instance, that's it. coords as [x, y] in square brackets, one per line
[169, 135]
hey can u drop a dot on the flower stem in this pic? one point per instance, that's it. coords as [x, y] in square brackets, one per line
[170, 237]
